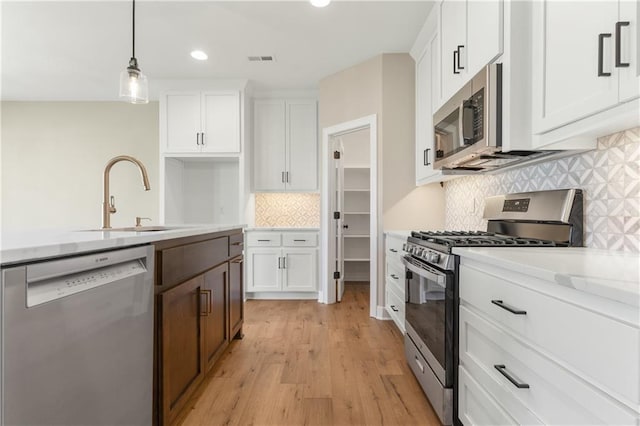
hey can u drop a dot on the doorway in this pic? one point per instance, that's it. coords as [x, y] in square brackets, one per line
[349, 205]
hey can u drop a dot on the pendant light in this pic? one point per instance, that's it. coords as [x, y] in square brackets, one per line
[134, 86]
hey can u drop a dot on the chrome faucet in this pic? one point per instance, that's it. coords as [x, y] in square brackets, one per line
[108, 201]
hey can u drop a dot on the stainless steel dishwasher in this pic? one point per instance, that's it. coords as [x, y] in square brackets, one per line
[77, 340]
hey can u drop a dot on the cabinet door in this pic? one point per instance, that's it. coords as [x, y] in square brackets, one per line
[269, 146]
[302, 146]
[236, 297]
[216, 315]
[425, 150]
[453, 39]
[221, 122]
[484, 34]
[182, 122]
[300, 269]
[566, 81]
[629, 45]
[181, 342]
[263, 269]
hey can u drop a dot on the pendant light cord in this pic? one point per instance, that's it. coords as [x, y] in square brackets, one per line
[133, 38]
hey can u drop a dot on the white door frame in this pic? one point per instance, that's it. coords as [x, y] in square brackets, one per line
[327, 251]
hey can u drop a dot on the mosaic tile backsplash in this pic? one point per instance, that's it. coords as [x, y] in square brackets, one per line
[297, 210]
[609, 177]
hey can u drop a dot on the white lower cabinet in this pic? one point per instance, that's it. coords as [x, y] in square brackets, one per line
[394, 278]
[529, 355]
[281, 263]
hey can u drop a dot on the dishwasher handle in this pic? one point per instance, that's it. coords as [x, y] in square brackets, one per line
[58, 268]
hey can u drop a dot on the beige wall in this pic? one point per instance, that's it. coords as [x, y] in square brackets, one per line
[384, 85]
[53, 157]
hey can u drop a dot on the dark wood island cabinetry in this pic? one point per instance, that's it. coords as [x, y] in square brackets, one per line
[199, 310]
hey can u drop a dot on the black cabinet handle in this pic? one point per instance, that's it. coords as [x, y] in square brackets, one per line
[425, 157]
[202, 138]
[393, 308]
[198, 138]
[601, 38]
[455, 68]
[263, 241]
[394, 276]
[515, 311]
[282, 177]
[619, 25]
[393, 250]
[241, 243]
[460, 46]
[300, 241]
[502, 369]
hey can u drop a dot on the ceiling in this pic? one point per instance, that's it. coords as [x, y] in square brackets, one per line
[66, 50]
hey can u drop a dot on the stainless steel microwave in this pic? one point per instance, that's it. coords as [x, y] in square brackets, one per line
[468, 128]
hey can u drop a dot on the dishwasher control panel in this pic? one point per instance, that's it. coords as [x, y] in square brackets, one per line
[46, 290]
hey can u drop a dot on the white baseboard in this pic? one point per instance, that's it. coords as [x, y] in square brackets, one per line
[274, 295]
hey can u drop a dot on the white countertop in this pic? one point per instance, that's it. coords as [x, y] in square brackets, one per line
[19, 247]
[398, 233]
[611, 274]
[282, 229]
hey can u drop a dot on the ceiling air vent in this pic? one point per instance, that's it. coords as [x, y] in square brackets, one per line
[266, 58]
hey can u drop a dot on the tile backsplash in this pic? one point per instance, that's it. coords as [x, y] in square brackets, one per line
[298, 210]
[608, 175]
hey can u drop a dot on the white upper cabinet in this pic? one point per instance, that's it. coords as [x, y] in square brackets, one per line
[285, 145]
[193, 122]
[471, 36]
[582, 66]
[426, 65]
[627, 34]
[302, 146]
[269, 133]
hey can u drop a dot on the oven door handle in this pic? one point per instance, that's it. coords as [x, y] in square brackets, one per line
[438, 278]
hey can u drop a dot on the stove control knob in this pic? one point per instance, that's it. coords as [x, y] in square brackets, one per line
[419, 252]
[434, 257]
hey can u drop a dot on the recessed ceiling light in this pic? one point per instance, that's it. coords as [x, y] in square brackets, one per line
[320, 3]
[199, 55]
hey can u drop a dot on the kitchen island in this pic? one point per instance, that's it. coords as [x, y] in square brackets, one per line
[198, 293]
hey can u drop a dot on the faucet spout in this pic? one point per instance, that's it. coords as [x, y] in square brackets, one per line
[108, 205]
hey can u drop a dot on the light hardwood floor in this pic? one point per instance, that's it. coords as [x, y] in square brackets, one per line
[305, 363]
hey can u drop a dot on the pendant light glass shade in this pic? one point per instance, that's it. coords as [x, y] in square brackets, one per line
[134, 87]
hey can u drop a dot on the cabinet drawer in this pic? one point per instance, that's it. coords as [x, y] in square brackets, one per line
[299, 239]
[555, 395]
[183, 262]
[236, 244]
[395, 308]
[475, 406]
[394, 246]
[601, 350]
[395, 276]
[263, 239]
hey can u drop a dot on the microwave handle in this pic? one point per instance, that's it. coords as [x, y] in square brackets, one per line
[466, 123]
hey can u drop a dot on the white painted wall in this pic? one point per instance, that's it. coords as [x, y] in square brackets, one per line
[53, 158]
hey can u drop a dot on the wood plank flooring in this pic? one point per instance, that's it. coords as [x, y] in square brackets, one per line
[305, 363]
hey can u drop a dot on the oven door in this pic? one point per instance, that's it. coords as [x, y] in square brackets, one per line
[429, 313]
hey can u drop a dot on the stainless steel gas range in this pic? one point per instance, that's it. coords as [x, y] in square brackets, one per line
[542, 219]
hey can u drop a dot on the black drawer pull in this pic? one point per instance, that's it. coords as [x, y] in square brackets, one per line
[393, 250]
[393, 308]
[300, 241]
[601, 38]
[515, 311]
[263, 241]
[502, 369]
[394, 276]
[239, 243]
[619, 26]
